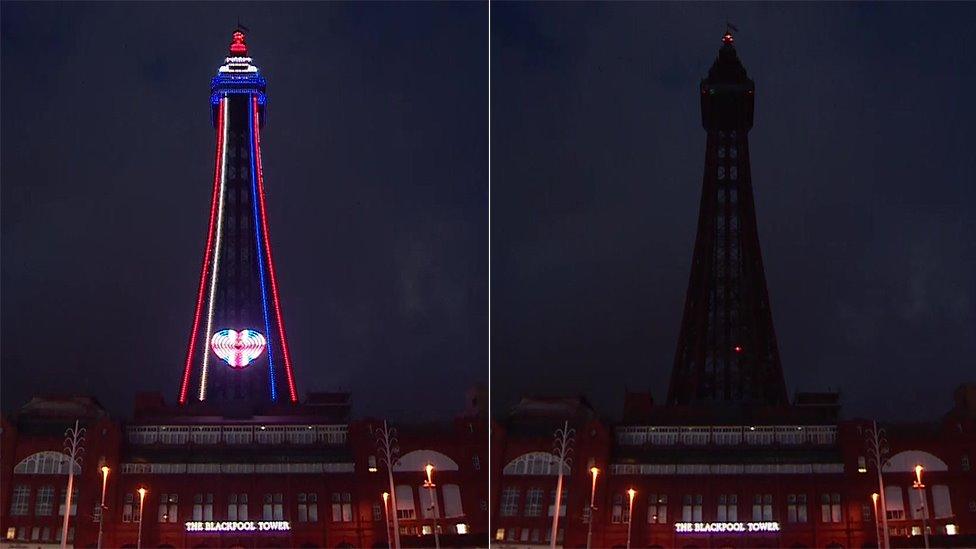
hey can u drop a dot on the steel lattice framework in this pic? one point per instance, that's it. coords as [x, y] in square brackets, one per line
[727, 350]
[238, 309]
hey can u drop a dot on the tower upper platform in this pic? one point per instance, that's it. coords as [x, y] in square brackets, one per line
[238, 76]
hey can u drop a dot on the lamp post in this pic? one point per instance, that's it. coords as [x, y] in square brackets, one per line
[74, 439]
[562, 450]
[142, 500]
[386, 518]
[877, 530]
[877, 448]
[386, 446]
[101, 514]
[925, 506]
[589, 531]
[430, 486]
[630, 513]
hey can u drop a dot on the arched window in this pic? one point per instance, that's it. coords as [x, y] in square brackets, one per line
[45, 463]
[418, 459]
[535, 463]
[905, 462]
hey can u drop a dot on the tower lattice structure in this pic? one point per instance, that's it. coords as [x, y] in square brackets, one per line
[727, 352]
[238, 350]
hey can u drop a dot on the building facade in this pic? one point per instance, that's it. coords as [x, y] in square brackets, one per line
[730, 460]
[239, 460]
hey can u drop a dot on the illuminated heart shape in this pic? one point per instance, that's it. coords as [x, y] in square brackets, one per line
[238, 349]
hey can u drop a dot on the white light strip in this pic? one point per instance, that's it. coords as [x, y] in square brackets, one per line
[216, 261]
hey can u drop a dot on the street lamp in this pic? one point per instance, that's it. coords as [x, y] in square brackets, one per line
[925, 506]
[101, 513]
[630, 513]
[386, 518]
[589, 532]
[877, 529]
[142, 500]
[429, 484]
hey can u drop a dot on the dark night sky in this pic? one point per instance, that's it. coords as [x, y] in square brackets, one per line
[375, 158]
[863, 163]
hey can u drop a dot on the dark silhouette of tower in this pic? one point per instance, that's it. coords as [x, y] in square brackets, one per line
[237, 350]
[727, 352]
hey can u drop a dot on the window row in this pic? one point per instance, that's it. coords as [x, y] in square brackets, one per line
[38, 533]
[450, 494]
[728, 435]
[43, 501]
[511, 498]
[916, 509]
[727, 507]
[528, 535]
[272, 506]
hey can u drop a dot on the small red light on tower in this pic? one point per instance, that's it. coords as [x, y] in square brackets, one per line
[727, 39]
[738, 349]
[237, 46]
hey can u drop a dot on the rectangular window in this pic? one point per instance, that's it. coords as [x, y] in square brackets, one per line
[617, 511]
[168, 508]
[510, 502]
[915, 500]
[562, 503]
[74, 502]
[762, 507]
[452, 501]
[894, 503]
[533, 502]
[377, 512]
[44, 501]
[342, 506]
[941, 504]
[728, 508]
[197, 506]
[657, 509]
[796, 508]
[691, 508]
[127, 508]
[404, 502]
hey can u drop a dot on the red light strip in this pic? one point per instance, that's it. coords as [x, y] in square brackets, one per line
[206, 257]
[293, 394]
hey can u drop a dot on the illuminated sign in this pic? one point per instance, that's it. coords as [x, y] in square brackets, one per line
[707, 527]
[238, 349]
[238, 526]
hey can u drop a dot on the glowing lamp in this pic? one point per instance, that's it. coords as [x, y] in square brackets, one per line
[238, 349]
[738, 349]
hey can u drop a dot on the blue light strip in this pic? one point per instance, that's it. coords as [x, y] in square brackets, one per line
[260, 256]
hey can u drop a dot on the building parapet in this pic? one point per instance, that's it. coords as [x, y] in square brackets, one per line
[235, 468]
[662, 469]
[237, 434]
[764, 435]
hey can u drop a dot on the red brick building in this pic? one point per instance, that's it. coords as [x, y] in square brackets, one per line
[307, 468]
[814, 480]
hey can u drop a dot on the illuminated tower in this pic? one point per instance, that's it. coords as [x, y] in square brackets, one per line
[727, 352]
[237, 349]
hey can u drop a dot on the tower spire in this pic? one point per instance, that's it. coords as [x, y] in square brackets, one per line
[238, 350]
[727, 351]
